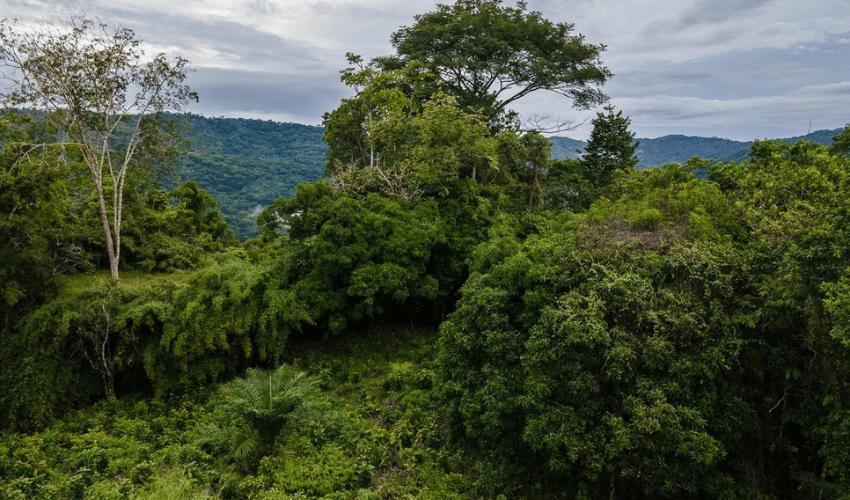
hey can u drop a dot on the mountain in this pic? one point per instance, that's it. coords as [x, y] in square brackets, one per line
[680, 148]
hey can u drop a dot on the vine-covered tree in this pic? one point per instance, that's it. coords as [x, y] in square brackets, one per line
[108, 94]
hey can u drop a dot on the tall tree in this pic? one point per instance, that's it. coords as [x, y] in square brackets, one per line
[575, 184]
[490, 56]
[108, 93]
[611, 147]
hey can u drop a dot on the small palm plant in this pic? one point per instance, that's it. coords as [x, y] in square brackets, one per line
[260, 405]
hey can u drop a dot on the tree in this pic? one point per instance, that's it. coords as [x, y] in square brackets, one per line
[380, 93]
[575, 184]
[568, 184]
[262, 404]
[415, 156]
[611, 147]
[490, 56]
[109, 97]
[841, 142]
[33, 210]
[162, 237]
[583, 357]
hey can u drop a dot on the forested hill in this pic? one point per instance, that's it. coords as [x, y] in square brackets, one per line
[680, 148]
[247, 164]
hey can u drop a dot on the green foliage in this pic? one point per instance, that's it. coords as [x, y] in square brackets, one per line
[261, 405]
[246, 164]
[393, 443]
[370, 442]
[611, 147]
[665, 336]
[489, 56]
[81, 72]
[841, 142]
[681, 148]
[380, 94]
[33, 187]
[419, 156]
[347, 260]
[568, 184]
[791, 200]
[574, 184]
[72, 348]
[162, 237]
[211, 326]
[435, 115]
[682, 337]
[522, 163]
[116, 449]
[318, 473]
[563, 354]
[175, 486]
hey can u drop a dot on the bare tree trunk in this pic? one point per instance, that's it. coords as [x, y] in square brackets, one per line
[107, 233]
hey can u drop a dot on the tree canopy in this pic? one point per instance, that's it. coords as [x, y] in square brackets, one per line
[490, 56]
[611, 146]
[480, 54]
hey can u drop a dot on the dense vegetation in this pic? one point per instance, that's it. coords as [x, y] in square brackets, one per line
[449, 313]
[247, 164]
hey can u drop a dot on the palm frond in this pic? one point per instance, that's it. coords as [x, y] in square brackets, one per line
[260, 405]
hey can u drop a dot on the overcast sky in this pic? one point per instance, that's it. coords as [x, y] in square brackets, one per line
[738, 69]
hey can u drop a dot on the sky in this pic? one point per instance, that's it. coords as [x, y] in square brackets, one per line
[736, 69]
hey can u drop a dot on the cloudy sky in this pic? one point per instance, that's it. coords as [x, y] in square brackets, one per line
[738, 69]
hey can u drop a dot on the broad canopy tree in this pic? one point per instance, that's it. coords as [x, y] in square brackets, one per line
[107, 93]
[482, 54]
[490, 56]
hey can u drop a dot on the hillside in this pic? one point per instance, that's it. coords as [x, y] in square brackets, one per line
[247, 164]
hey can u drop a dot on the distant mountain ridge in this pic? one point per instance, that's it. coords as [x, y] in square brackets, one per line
[680, 148]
